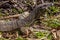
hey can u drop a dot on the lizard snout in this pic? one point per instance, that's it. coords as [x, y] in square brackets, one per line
[46, 5]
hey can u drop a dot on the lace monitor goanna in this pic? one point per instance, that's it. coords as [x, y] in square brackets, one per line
[24, 18]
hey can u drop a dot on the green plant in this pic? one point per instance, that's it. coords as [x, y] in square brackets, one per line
[41, 34]
[14, 10]
[3, 39]
[20, 10]
[17, 10]
[52, 10]
[20, 38]
[50, 37]
[50, 20]
[54, 23]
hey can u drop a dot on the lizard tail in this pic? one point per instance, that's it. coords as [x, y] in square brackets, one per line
[8, 26]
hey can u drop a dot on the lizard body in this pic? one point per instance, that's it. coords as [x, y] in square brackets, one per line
[24, 18]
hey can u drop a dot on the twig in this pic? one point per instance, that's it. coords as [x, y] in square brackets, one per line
[11, 16]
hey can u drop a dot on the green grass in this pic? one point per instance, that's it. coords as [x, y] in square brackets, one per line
[49, 19]
[50, 37]
[54, 23]
[52, 10]
[43, 34]
[20, 38]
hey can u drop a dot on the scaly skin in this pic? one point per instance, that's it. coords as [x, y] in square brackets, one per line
[24, 19]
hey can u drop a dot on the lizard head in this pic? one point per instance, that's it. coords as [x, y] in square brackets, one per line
[46, 5]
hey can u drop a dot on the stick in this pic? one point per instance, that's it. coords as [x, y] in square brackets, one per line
[11, 16]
